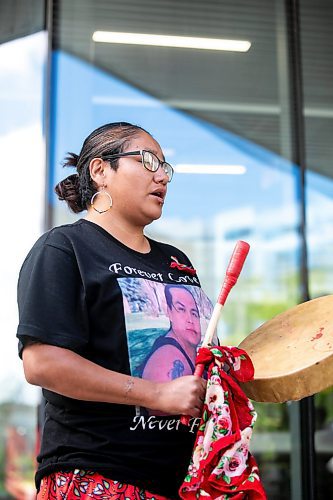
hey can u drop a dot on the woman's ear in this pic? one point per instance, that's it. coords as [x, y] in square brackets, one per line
[96, 169]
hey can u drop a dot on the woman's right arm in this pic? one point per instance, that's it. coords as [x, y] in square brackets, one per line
[63, 371]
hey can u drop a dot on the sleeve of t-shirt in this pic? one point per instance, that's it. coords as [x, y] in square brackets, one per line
[51, 300]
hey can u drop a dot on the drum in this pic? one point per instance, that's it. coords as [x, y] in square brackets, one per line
[292, 353]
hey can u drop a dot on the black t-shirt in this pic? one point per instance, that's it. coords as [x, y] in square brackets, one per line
[81, 289]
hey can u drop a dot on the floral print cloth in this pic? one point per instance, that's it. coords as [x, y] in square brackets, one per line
[81, 484]
[221, 466]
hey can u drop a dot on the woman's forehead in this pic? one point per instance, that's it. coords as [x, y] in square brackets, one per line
[142, 140]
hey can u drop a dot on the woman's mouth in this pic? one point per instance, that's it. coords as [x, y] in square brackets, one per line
[160, 195]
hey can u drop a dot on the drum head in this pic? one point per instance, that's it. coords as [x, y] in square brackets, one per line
[292, 354]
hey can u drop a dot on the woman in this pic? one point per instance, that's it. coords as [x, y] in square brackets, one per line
[100, 439]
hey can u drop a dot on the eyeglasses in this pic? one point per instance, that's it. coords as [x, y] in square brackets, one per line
[149, 161]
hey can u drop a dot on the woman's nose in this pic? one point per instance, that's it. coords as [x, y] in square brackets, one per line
[160, 175]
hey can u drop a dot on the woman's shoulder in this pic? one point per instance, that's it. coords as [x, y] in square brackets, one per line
[60, 237]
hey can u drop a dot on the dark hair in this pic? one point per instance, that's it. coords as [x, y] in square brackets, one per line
[168, 295]
[77, 189]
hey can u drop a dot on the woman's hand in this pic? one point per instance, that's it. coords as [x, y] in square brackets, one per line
[184, 395]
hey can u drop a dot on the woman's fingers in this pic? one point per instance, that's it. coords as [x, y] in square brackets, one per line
[185, 396]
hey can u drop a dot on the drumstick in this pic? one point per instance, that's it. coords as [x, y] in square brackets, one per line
[233, 271]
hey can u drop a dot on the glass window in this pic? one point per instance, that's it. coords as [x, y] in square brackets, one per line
[22, 148]
[211, 110]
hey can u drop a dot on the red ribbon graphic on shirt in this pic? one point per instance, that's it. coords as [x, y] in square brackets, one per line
[181, 267]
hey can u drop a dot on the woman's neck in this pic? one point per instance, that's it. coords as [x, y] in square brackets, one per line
[130, 235]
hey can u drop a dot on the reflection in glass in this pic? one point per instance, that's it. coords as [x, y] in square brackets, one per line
[214, 109]
[22, 155]
[205, 215]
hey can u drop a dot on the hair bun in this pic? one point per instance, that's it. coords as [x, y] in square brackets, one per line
[68, 190]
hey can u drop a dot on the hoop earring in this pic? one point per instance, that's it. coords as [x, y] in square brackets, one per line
[93, 198]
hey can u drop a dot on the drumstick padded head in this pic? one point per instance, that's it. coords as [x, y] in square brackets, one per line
[234, 268]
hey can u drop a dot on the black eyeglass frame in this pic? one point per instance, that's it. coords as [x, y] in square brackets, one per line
[168, 169]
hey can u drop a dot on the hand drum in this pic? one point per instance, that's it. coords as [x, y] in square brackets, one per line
[292, 353]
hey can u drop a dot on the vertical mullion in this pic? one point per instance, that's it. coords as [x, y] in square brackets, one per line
[306, 405]
[49, 118]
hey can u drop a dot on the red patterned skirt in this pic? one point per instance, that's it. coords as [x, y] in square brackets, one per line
[89, 485]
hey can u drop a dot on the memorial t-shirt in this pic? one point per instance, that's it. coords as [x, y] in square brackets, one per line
[81, 289]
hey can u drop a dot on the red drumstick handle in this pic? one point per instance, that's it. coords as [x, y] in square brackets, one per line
[234, 268]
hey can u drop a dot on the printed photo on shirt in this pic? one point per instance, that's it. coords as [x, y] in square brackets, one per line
[165, 324]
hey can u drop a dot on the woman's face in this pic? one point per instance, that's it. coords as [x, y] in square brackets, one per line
[138, 195]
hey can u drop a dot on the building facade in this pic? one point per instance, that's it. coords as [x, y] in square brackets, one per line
[248, 127]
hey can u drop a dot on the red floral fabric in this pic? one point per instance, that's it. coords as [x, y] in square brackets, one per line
[80, 484]
[221, 466]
